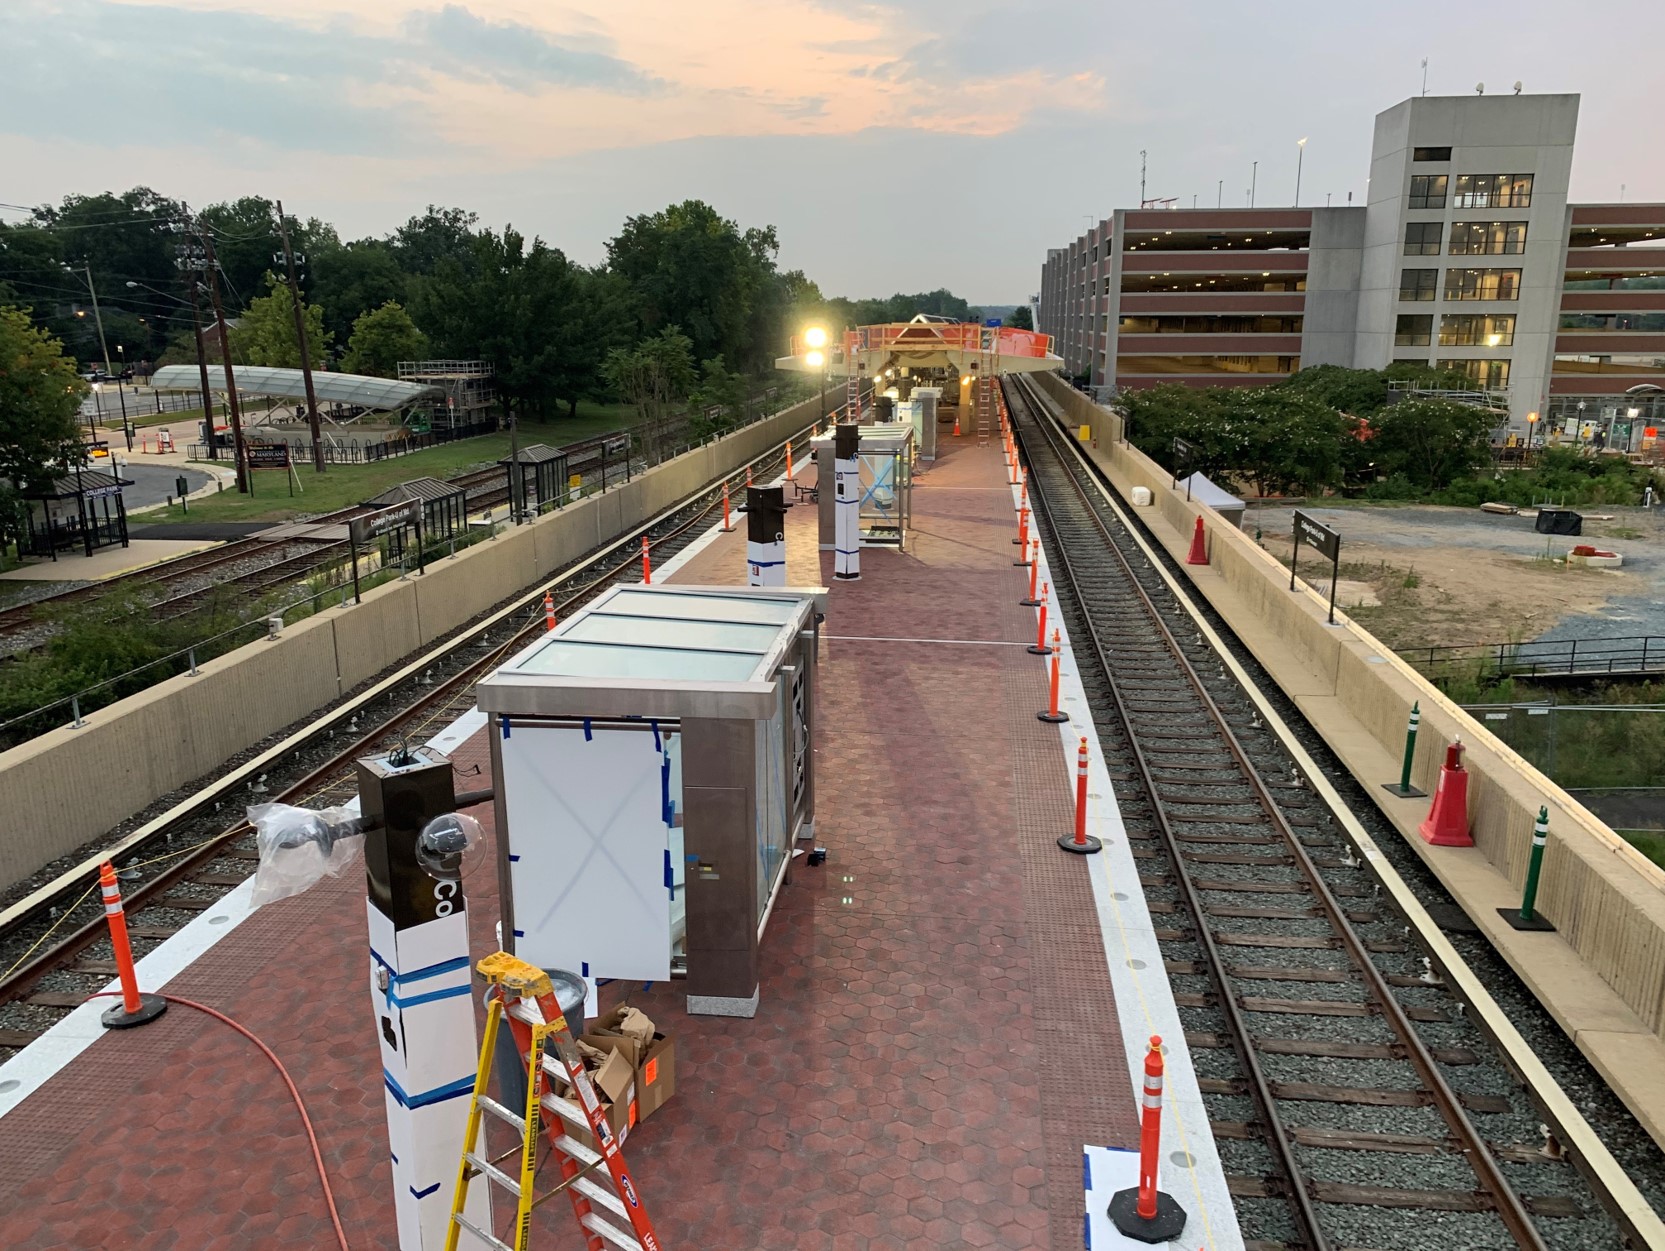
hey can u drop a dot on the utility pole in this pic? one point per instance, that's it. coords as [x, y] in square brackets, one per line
[300, 335]
[1141, 178]
[1254, 180]
[207, 238]
[190, 260]
[98, 318]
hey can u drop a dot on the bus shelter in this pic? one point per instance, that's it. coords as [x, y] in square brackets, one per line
[537, 477]
[80, 510]
[884, 460]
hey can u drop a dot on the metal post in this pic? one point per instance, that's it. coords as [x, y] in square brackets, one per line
[98, 318]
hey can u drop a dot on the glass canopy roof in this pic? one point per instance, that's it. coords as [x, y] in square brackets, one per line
[674, 636]
[355, 389]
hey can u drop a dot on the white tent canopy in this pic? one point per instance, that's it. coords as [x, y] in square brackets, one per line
[358, 390]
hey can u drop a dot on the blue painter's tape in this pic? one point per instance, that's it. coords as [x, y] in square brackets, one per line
[1086, 1171]
[588, 734]
[520, 933]
[1087, 1230]
[513, 858]
[847, 552]
[503, 723]
[764, 564]
[657, 745]
[395, 978]
[423, 1194]
[394, 1157]
[670, 882]
[432, 996]
[666, 813]
[584, 966]
[439, 1094]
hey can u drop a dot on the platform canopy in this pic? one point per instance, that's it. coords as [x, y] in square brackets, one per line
[928, 342]
[356, 390]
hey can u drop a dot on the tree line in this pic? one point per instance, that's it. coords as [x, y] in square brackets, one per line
[443, 285]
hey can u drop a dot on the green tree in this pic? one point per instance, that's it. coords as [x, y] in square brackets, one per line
[653, 374]
[718, 403]
[1431, 442]
[352, 279]
[1021, 318]
[1359, 392]
[381, 339]
[691, 268]
[1282, 443]
[40, 395]
[439, 235]
[265, 333]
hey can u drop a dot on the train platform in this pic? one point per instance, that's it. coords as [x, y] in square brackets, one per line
[952, 1007]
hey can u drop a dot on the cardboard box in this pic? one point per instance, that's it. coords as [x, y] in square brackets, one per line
[656, 1076]
[628, 1032]
[615, 1086]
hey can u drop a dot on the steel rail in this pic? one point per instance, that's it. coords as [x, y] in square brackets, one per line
[1510, 1208]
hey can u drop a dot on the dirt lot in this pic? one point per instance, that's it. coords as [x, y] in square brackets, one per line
[1454, 575]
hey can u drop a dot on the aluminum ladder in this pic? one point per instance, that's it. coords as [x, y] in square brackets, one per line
[595, 1182]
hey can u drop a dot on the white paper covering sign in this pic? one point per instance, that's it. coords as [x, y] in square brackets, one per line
[589, 854]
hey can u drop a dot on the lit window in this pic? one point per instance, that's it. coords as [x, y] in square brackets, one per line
[1493, 191]
[1488, 238]
[1477, 330]
[1482, 284]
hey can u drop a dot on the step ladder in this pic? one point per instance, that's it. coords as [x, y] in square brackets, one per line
[595, 1182]
[852, 399]
[985, 409]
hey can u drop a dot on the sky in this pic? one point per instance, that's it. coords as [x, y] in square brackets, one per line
[894, 145]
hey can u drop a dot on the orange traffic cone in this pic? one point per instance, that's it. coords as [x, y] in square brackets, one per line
[1447, 823]
[1198, 555]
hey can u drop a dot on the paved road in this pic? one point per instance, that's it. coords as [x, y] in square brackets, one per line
[154, 483]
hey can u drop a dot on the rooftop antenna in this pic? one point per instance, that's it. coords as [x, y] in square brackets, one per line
[1517, 86]
[1141, 178]
[1424, 75]
[1479, 89]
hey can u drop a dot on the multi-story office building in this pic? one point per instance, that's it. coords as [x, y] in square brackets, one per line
[1466, 255]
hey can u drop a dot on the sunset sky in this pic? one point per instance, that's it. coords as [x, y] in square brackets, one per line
[894, 145]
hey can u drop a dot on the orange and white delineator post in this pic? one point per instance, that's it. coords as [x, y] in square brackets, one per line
[1039, 647]
[1051, 715]
[789, 458]
[1034, 572]
[1022, 539]
[548, 610]
[1146, 1213]
[728, 526]
[134, 1008]
[647, 564]
[1079, 841]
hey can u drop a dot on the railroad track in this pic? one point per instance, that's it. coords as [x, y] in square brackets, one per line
[54, 946]
[1352, 1103]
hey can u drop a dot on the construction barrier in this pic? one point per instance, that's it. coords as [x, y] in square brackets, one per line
[1078, 840]
[1146, 1213]
[1039, 647]
[1051, 713]
[134, 1008]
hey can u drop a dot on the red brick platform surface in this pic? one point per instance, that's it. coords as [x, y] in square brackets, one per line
[936, 1037]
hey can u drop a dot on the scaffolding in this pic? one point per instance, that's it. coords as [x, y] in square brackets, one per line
[469, 389]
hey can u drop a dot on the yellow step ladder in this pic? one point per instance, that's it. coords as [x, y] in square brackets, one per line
[595, 1181]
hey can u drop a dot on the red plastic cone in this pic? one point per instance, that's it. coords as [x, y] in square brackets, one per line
[1447, 823]
[1198, 555]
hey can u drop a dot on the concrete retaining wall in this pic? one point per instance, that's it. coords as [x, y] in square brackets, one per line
[69, 786]
[1606, 899]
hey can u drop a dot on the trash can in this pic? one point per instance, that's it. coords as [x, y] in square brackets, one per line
[511, 1078]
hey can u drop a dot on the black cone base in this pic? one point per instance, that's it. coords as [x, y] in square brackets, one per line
[1068, 843]
[1513, 917]
[1039, 651]
[1403, 792]
[150, 1007]
[1052, 718]
[1167, 1225]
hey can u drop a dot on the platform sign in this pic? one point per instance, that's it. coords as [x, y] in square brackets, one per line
[1185, 455]
[374, 525]
[1323, 540]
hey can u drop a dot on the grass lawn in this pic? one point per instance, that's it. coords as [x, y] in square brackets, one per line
[342, 485]
[1651, 843]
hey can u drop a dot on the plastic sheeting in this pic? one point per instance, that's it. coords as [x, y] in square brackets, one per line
[299, 847]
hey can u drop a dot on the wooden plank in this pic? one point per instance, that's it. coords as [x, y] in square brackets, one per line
[1273, 973]
[16, 1038]
[94, 968]
[1262, 914]
[152, 931]
[1311, 943]
[55, 999]
[220, 879]
[1303, 1007]
[1236, 857]
[1208, 818]
[1369, 1096]
[186, 903]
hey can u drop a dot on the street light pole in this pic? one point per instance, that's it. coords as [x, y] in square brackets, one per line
[1300, 155]
[1254, 179]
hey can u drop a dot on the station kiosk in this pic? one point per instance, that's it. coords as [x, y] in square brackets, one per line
[654, 769]
[885, 459]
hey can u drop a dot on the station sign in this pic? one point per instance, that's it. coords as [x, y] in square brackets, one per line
[372, 525]
[1322, 539]
[1185, 456]
[266, 455]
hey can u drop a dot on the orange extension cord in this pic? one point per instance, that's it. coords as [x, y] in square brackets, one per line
[306, 1121]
